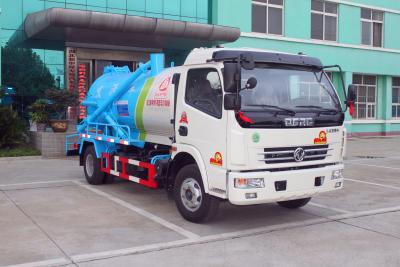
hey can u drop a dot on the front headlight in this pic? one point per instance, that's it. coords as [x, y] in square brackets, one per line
[337, 174]
[245, 183]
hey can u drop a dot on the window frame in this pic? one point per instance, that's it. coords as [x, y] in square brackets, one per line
[396, 104]
[329, 74]
[324, 14]
[372, 21]
[219, 116]
[367, 103]
[267, 5]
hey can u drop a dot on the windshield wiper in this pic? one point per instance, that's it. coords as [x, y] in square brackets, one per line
[286, 110]
[322, 109]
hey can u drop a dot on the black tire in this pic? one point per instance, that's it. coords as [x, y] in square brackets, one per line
[294, 204]
[208, 207]
[95, 176]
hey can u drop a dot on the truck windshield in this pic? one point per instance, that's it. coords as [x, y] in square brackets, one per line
[289, 90]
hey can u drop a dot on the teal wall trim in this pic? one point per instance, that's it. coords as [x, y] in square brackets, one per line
[391, 39]
[297, 19]
[235, 13]
[359, 60]
[349, 15]
[389, 4]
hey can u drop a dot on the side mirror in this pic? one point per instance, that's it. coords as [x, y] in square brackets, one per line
[232, 102]
[251, 83]
[351, 93]
[230, 70]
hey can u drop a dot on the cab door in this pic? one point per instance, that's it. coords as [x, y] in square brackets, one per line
[201, 120]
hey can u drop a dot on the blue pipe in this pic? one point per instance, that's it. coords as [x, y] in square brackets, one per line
[111, 121]
[89, 103]
[157, 63]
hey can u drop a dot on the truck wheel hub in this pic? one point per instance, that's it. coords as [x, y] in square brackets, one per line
[89, 165]
[191, 195]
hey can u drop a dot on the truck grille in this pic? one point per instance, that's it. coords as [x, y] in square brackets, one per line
[286, 154]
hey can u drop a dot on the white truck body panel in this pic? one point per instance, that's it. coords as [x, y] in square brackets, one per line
[158, 109]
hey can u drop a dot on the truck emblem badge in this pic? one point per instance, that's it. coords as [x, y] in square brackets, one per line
[216, 160]
[164, 85]
[299, 122]
[321, 139]
[184, 118]
[256, 137]
[299, 154]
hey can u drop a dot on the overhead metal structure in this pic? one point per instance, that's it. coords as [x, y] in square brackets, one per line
[57, 26]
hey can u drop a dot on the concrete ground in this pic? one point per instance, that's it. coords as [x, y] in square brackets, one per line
[49, 216]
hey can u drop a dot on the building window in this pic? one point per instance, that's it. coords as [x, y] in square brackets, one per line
[365, 105]
[324, 17]
[371, 27]
[396, 97]
[267, 16]
[314, 92]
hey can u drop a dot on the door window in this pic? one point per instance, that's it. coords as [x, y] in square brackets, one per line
[204, 91]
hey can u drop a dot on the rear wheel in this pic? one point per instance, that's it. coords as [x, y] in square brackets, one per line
[91, 167]
[192, 202]
[294, 204]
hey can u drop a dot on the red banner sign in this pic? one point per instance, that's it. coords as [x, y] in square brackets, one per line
[71, 80]
[82, 88]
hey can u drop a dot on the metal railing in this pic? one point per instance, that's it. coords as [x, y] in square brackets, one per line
[108, 130]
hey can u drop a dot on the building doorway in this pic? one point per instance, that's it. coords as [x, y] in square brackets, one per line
[85, 65]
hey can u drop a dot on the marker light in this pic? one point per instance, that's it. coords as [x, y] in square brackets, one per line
[244, 118]
[351, 108]
[337, 174]
[243, 183]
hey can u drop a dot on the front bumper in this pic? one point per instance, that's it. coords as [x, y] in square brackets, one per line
[299, 184]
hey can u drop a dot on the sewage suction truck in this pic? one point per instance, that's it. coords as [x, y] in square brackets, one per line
[243, 125]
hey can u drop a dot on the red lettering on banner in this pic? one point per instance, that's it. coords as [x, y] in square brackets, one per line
[82, 88]
[71, 80]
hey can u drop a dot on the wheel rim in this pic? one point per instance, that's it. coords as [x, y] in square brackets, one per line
[89, 165]
[191, 195]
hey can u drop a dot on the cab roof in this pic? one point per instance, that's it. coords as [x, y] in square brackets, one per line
[204, 55]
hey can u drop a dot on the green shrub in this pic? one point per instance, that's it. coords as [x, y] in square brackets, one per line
[39, 111]
[12, 128]
[19, 151]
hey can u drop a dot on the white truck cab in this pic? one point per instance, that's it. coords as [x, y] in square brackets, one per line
[277, 135]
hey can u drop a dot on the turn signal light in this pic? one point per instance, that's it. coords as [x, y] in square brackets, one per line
[244, 183]
[243, 118]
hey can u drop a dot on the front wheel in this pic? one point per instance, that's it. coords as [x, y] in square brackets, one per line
[192, 202]
[294, 204]
[91, 167]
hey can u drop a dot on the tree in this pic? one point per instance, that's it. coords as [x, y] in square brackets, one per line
[59, 101]
[25, 71]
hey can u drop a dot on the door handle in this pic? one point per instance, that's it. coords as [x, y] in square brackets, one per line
[183, 131]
